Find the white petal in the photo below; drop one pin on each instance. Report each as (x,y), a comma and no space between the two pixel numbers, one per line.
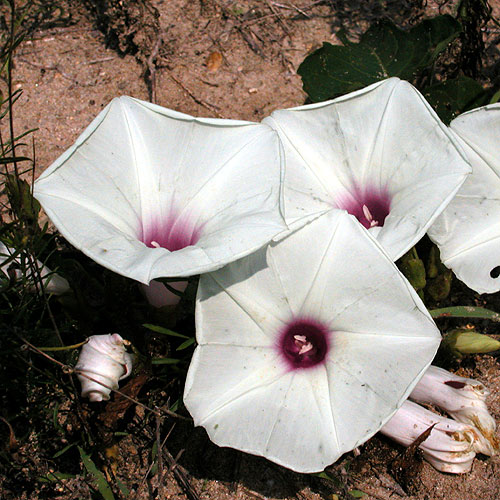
(140,170)
(240,386)
(384,138)
(468,231)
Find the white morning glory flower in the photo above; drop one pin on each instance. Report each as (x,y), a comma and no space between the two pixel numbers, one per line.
(468,231)
(148,192)
(380,153)
(308,347)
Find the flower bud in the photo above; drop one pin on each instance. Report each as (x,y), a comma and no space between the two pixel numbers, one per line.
(103,360)
(469,342)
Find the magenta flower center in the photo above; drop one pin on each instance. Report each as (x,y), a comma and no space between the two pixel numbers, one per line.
(369,206)
(304,343)
(172,233)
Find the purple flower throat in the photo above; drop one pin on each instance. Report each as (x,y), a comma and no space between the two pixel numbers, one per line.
(172,233)
(369,206)
(304,343)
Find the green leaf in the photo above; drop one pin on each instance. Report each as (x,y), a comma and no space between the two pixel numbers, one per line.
(452,97)
(164,331)
(383,51)
(465,312)
(123,489)
(102,484)
(357,493)
(64,450)
(165,361)
(186,344)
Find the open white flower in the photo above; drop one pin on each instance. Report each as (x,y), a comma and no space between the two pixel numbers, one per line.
(464,399)
(52,282)
(468,231)
(306,348)
(380,153)
(148,192)
(450,447)
(104,359)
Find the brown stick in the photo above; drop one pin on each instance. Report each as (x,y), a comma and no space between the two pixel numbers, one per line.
(207,105)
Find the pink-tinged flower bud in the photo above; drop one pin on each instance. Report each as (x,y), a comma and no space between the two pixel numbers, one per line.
(450,446)
(104,359)
(464,399)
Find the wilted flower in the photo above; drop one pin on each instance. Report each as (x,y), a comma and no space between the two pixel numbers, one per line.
(148,192)
(306,348)
(104,359)
(52,282)
(380,153)
(450,446)
(464,399)
(468,231)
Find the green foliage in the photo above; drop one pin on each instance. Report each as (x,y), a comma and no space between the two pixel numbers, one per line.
(453,96)
(383,51)
(465,312)
(102,484)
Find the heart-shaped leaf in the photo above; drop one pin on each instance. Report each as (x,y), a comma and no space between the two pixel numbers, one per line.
(383,51)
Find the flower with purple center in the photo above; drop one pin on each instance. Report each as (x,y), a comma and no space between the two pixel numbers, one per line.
(468,231)
(380,153)
(306,350)
(303,343)
(149,192)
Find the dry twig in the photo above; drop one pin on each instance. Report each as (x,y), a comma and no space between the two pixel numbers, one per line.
(201,102)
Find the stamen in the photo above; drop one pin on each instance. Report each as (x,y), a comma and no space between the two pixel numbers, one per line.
(306,348)
(302,342)
(155,244)
(368,215)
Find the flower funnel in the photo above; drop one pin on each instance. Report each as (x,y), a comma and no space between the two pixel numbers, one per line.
(305,351)
(148,192)
(468,231)
(380,153)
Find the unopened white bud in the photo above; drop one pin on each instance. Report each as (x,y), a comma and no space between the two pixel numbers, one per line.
(104,359)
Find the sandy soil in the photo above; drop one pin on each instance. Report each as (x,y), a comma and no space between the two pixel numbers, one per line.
(232,60)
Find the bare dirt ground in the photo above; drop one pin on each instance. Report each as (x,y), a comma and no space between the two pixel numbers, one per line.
(233,60)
